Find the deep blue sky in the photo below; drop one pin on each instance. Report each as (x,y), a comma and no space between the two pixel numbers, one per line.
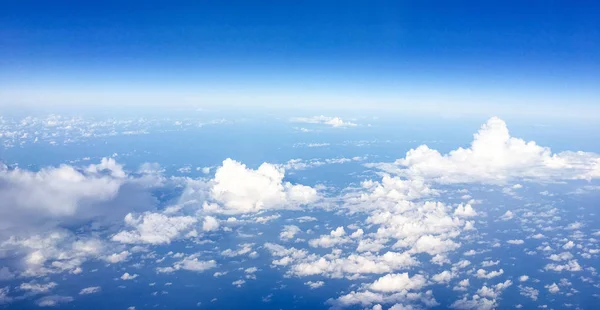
(396,53)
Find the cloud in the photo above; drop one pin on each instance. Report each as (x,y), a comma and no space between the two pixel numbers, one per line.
(127,276)
(90,290)
(117,257)
(54,252)
(237,189)
(53,300)
(190,263)
(336,265)
(210,223)
(482,274)
(36,288)
(324,120)
(398,282)
(495,157)
(314,285)
(154,228)
(289,232)
(44,199)
(335,237)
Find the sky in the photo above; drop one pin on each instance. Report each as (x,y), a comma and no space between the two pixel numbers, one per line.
(534,58)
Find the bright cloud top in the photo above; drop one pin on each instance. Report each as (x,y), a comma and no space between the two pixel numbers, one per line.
(495,157)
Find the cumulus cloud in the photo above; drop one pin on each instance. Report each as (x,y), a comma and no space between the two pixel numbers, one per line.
(127,276)
(55,252)
(237,189)
(495,157)
(337,265)
(117,257)
(154,228)
(315,284)
(481,273)
(398,282)
(324,120)
(289,232)
(36,200)
(190,263)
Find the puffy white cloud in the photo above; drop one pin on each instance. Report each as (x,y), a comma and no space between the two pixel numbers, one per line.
(190,263)
(335,237)
(334,265)
(515,241)
(117,257)
(495,157)
(34,201)
(443,277)
(465,211)
(315,284)
(494,291)
(289,232)
(571,265)
(154,228)
(523,278)
(127,276)
(367,298)
(553,288)
(243,249)
(325,120)
(237,189)
(398,282)
(54,252)
(37,288)
(210,223)
(482,274)
(568,245)
(529,292)
(90,290)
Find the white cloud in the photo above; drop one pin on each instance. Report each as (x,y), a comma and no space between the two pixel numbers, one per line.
(210,223)
(335,237)
(398,282)
(443,277)
(289,232)
(530,292)
(325,120)
(190,263)
(117,257)
(90,290)
(127,276)
(237,189)
(53,300)
(314,285)
(154,228)
(515,241)
(571,265)
(553,288)
(36,288)
(482,274)
(42,200)
(523,278)
(495,157)
(465,211)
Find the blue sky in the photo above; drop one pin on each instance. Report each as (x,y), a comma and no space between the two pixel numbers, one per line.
(491,56)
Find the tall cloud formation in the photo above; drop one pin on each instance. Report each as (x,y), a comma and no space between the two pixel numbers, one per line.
(237,189)
(495,157)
